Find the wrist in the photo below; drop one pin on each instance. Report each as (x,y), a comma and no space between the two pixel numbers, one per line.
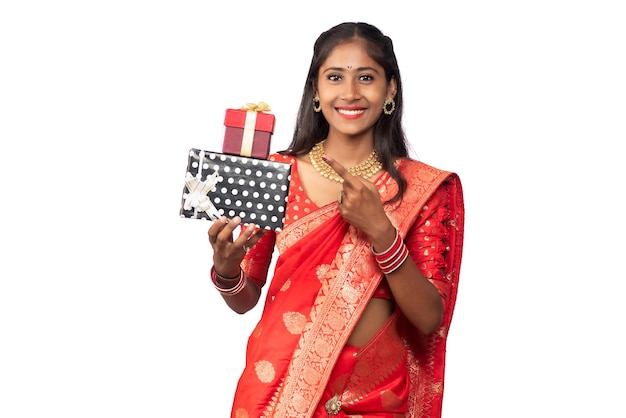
(383,238)
(232,286)
(225,270)
(225,277)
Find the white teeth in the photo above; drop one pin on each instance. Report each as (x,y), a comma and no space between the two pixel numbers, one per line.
(350,112)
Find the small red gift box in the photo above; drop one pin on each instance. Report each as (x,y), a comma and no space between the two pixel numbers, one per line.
(248,131)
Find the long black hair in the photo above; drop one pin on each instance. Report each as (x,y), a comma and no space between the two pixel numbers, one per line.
(311,127)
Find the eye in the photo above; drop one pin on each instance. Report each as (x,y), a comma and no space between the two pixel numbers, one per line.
(366,77)
(334,77)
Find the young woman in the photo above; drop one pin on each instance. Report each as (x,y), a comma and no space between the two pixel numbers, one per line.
(357,313)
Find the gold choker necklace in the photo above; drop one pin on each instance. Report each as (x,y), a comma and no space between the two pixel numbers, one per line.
(366,169)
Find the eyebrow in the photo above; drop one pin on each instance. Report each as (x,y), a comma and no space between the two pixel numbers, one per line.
(356,69)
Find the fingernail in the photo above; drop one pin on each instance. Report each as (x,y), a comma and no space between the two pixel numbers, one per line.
(326,158)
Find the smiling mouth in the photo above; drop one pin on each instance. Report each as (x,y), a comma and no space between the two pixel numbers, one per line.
(351,112)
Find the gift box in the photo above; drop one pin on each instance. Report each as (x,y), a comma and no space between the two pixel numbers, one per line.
(248,131)
(218,184)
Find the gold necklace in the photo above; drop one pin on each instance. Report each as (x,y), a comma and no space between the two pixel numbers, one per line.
(366,169)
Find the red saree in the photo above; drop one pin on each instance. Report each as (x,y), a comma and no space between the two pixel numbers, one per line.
(323,279)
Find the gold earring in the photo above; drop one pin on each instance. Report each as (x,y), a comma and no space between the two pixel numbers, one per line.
(317,105)
(389,106)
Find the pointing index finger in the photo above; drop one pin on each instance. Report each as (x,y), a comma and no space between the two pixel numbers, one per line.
(339,169)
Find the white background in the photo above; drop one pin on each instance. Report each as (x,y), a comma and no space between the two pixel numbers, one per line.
(106,308)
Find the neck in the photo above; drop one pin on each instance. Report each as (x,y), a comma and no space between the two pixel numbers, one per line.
(348,152)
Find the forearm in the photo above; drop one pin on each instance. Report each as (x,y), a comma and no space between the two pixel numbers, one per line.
(417,298)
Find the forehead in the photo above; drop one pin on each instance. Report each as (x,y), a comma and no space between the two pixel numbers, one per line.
(350,54)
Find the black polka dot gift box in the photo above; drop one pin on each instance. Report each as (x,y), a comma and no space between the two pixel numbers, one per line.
(219,184)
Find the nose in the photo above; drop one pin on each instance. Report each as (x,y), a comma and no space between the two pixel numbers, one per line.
(351,90)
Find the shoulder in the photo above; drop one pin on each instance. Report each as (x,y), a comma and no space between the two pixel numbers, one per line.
(425,178)
(414,170)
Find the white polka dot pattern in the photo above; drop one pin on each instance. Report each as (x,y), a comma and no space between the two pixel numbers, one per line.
(253,189)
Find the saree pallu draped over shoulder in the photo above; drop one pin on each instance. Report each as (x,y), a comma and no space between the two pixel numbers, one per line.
(323,279)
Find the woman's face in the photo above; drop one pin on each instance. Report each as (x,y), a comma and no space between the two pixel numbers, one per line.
(352,89)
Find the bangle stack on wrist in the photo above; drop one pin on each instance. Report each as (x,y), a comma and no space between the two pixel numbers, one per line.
(241,282)
(392,258)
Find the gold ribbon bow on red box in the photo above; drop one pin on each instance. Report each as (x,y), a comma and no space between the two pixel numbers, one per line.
(256,107)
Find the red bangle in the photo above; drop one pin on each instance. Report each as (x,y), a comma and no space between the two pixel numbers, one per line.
(241,283)
(392,258)
(395,263)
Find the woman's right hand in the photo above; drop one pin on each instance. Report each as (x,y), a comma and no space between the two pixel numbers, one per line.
(228,253)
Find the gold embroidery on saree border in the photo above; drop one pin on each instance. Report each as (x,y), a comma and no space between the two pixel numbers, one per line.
(346,278)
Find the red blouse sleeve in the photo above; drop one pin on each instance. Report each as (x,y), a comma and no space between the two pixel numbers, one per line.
(427,240)
(257,262)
